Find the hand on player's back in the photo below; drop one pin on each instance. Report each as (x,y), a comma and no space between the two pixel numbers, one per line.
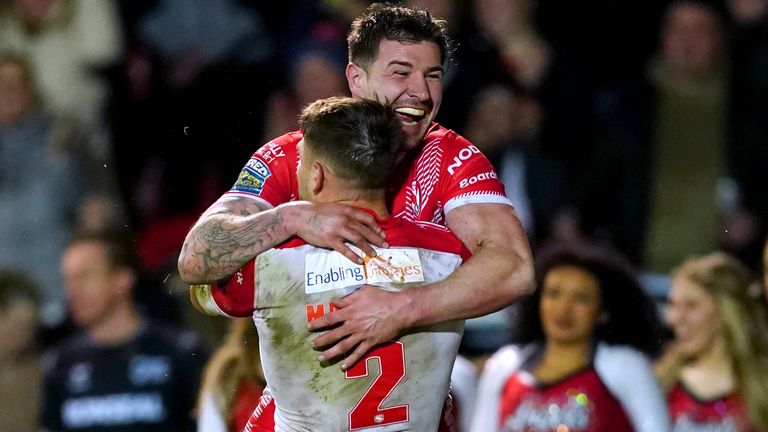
(334,225)
(368,317)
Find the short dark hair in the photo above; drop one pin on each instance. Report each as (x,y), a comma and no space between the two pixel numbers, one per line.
(358,138)
(397,23)
(120,250)
(632,316)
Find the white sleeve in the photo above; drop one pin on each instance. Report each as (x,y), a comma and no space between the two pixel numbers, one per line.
(464,387)
(629,377)
(209,416)
(495,373)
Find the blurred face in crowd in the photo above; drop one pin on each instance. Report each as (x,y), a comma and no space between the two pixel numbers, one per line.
(408,76)
(95,289)
(693,316)
(569,305)
(747,11)
(317,78)
(16,96)
(691,40)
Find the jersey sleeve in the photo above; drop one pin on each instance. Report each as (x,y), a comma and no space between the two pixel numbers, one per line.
(234,298)
(629,377)
(469,177)
(497,370)
(269,175)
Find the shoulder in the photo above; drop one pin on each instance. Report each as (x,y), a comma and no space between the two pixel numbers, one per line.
(69,350)
(426,235)
(613,361)
(507,359)
(446,139)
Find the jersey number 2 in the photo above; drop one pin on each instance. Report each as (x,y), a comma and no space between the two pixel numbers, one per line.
(368,411)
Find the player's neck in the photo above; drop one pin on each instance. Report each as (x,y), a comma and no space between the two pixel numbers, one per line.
(116,327)
(370,199)
(562,359)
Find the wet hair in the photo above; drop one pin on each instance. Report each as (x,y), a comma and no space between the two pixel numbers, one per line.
(744,324)
(358,138)
(632,316)
(397,23)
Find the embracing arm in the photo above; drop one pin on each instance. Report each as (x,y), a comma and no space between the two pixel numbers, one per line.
(499,272)
(234,230)
(230,233)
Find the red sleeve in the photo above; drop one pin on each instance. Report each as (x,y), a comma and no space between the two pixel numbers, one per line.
(236,297)
(270,174)
(469,176)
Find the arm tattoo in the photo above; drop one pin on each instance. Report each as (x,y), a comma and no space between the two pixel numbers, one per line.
(227,238)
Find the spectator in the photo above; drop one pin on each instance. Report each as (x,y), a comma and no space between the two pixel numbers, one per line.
(588,323)
(67,43)
(19,353)
(652,185)
(122,372)
(233,381)
(715,369)
(747,129)
(42,186)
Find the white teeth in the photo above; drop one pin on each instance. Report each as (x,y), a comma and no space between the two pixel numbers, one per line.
(410,111)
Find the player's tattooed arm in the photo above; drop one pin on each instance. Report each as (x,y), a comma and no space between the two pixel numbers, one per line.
(229,234)
(235,230)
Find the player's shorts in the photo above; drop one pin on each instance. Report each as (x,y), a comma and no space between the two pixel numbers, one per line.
(263,417)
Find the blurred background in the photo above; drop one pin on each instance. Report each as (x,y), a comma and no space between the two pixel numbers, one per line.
(642,125)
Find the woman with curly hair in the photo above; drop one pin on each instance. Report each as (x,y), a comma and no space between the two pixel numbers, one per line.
(583,362)
(715,371)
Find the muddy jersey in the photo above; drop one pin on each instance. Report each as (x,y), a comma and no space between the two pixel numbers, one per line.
(400,386)
(446,172)
(616,392)
(723,414)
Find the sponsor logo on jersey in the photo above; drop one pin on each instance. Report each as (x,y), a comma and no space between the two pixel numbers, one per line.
(145,370)
(271,151)
(464,154)
(113,410)
(252,177)
(80,377)
(685,424)
(476,178)
(330,270)
(548,416)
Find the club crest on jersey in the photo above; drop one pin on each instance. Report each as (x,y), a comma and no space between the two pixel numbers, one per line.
(252,177)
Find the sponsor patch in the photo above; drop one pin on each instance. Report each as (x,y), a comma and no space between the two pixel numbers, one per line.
(252,177)
(328,271)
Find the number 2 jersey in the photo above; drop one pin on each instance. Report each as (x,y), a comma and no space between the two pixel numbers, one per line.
(400,386)
(446,172)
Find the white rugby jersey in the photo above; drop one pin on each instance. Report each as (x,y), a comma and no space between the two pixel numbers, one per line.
(399,386)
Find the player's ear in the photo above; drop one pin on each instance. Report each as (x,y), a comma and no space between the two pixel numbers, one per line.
(355,79)
(318,177)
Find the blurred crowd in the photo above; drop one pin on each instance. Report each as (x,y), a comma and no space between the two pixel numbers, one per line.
(636,125)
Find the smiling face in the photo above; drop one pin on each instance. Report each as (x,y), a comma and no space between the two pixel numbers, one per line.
(408,76)
(693,316)
(569,305)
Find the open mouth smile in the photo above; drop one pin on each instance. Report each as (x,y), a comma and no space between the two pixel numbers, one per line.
(410,116)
